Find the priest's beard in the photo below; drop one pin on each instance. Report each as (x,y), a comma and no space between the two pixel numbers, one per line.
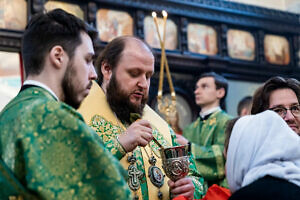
(69,88)
(119,101)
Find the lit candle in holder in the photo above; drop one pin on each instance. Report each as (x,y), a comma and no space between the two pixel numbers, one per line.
(164,106)
(162,58)
(173,95)
(156,25)
(165,15)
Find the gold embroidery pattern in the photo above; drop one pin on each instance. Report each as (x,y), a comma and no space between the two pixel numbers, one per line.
(212,121)
(55,152)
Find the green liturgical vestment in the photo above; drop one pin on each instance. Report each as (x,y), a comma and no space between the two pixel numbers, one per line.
(97,113)
(53,154)
(207,144)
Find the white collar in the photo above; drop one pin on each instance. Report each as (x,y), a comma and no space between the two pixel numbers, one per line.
(212,110)
(42,85)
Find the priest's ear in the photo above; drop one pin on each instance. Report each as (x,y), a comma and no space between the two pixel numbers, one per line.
(220,93)
(106,71)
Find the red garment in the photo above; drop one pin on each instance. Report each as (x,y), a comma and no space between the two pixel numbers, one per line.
(180,198)
(216,192)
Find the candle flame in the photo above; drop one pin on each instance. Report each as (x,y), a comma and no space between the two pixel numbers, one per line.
(164,13)
(154,14)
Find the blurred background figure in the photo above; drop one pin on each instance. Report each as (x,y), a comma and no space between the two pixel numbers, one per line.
(206,134)
(244,106)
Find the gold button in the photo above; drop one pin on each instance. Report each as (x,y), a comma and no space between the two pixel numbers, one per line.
(15,197)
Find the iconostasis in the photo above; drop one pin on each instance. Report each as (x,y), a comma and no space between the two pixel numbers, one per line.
(244,43)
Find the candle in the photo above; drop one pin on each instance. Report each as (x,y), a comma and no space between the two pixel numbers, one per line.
(156,25)
(173,95)
(165,15)
(163,104)
(162,60)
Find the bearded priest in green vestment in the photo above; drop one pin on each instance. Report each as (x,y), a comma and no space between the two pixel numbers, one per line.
(206,134)
(125,68)
(46,149)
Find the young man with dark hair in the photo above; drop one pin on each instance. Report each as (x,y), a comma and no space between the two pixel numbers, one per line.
(116,108)
(281,95)
(46,147)
(206,134)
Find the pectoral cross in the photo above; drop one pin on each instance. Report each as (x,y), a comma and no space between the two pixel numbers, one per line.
(134,177)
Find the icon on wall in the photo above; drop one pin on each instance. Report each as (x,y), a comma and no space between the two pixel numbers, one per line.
(202,39)
(68,7)
(277,50)
(241,44)
(151,36)
(8,17)
(111,24)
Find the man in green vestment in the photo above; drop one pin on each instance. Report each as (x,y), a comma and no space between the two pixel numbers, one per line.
(46,149)
(206,134)
(125,68)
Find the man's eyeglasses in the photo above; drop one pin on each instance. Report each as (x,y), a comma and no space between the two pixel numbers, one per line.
(282,111)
